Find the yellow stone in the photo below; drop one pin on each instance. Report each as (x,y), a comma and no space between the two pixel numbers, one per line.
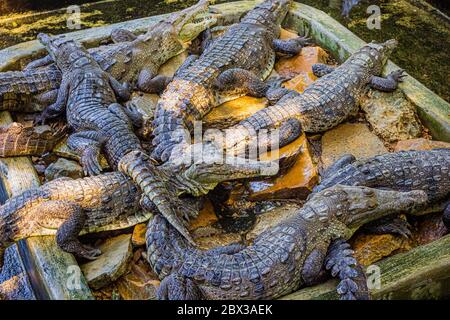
(372,248)
(420,144)
(232,112)
(296,183)
(138,237)
(302,62)
(205,218)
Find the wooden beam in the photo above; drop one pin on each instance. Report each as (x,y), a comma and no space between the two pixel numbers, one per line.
(421,273)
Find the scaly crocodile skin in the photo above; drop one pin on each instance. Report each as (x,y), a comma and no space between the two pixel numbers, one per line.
(247,45)
(110,201)
(30,81)
(402,171)
(17,140)
(325,103)
(123,60)
(92,109)
(281,259)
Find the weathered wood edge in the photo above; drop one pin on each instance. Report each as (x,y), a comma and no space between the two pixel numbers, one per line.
(432,109)
(421,273)
(50,269)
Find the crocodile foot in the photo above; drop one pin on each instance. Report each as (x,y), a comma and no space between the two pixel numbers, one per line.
(178,287)
(341,262)
(291,46)
(395,226)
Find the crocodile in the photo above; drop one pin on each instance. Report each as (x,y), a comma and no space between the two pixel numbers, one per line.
(69,207)
(326,102)
(88,96)
(282,258)
(401,171)
(18,140)
(207,81)
(132,59)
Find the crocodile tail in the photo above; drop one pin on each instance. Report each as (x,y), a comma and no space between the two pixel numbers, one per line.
(139,167)
(165,247)
(30,81)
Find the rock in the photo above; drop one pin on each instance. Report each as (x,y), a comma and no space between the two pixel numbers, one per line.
(300,82)
(232,112)
(287,34)
(391,115)
(138,236)
(205,218)
(170,67)
(430,229)
(215,238)
(139,284)
(62,150)
(271,219)
(111,264)
(420,144)
(372,248)
(354,138)
(145,103)
(63,168)
(297,182)
(301,63)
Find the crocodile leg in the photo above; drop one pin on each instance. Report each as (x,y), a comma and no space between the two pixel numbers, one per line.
(122,91)
(391,225)
(242,79)
(150,83)
(154,85)
(390,83)
(59,107)
(291,46)
(341,262)
(121,35)
(322,69)
(42,62)
(46,98)
(178,287)
(88,144)
(67,234)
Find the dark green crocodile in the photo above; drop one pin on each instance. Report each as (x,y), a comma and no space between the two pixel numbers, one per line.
(282,258)
(131,59)
(328,101)
(205,82)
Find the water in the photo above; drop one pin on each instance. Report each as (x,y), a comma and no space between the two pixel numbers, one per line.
(424,39)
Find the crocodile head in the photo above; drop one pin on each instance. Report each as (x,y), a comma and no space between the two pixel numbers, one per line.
(354,206)
(66,52)
(268,12)
(381,52)
(182,26)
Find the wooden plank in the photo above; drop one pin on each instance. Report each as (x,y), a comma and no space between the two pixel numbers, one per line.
(421,273)
(54,273)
